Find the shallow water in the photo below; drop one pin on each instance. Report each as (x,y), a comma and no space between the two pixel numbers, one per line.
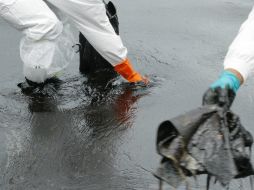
(87,137)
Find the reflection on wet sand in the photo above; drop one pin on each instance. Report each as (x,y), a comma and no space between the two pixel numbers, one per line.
(66,148)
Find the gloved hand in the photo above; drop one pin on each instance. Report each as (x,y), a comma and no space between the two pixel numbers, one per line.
(126,70)
(222,92)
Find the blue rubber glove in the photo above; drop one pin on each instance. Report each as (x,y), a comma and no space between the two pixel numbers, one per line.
(222,92)
(227,80)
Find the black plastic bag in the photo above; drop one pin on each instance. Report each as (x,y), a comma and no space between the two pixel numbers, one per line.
(207,140)
(90,60)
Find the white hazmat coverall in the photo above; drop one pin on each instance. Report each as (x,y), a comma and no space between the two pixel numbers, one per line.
(43,49)
(240,56)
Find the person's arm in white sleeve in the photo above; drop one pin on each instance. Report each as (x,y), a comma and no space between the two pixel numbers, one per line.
(240,56)
(238,65)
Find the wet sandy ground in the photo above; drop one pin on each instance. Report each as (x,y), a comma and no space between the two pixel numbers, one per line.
(85,137)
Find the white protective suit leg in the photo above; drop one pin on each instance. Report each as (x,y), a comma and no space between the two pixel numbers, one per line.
(40,49)
(240,55)
(90,18)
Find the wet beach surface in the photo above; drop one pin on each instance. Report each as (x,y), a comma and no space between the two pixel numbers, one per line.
(88,136)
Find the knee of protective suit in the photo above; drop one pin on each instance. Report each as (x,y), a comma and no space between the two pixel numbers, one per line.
(45,29)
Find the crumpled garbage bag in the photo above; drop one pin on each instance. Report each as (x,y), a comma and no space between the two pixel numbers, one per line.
(90,60)
(207,140)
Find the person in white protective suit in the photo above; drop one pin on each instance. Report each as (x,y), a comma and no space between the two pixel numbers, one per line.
(42,48)
(238,65)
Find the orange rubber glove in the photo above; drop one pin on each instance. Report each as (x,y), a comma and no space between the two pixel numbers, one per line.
(126,70)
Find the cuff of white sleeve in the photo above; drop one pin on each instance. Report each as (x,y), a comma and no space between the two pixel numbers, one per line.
(238,65)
